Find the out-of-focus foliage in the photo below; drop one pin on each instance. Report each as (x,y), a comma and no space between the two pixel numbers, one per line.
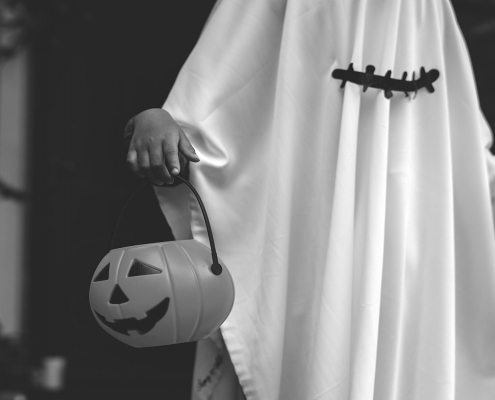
(15,23)
(63,21)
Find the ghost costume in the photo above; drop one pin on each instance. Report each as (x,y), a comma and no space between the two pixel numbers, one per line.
(358,229)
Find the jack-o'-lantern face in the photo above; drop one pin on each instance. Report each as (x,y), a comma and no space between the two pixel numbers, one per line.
(118,296)
(131,294)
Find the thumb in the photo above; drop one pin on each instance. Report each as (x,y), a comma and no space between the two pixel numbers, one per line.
(186,148)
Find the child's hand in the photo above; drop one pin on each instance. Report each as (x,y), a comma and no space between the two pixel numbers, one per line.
(156,145)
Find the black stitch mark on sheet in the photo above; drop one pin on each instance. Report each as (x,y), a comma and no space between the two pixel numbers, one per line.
(387,83)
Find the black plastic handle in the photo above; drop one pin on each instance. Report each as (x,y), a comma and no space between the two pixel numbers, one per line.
(216,268)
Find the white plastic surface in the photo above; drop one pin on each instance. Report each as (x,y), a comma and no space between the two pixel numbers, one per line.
(199,301)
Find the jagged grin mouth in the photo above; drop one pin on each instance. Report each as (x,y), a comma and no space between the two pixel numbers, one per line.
(141,326)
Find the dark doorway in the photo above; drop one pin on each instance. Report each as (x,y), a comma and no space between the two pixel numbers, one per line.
(96,64)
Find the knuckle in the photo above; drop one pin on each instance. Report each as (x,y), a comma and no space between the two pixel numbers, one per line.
(156,165)
(152,140)
(137,143)
(132,162)
(170,152)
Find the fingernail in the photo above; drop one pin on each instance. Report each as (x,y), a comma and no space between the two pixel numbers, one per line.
(174,171)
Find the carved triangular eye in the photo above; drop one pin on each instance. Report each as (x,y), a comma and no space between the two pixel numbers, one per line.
(139,268)
(103,275)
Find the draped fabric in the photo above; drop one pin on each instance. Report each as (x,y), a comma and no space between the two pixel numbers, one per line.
(358,230)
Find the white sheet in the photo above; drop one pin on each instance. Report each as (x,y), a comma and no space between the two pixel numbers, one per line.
(359,230)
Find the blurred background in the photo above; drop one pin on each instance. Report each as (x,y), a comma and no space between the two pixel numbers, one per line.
(72,73)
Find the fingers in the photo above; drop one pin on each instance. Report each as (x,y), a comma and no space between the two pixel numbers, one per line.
(133,163)
(149,164)
(145,167)
(156,142)
(128,131)
(186,148)
(171,156)
(158,170)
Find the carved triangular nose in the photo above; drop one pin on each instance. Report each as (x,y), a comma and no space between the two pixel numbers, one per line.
(118,296)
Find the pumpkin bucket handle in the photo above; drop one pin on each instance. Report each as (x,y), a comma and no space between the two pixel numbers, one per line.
(216,268)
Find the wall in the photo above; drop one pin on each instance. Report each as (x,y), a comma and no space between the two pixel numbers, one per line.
(13,152)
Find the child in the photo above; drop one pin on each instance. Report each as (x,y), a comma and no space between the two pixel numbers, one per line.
(357,227)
